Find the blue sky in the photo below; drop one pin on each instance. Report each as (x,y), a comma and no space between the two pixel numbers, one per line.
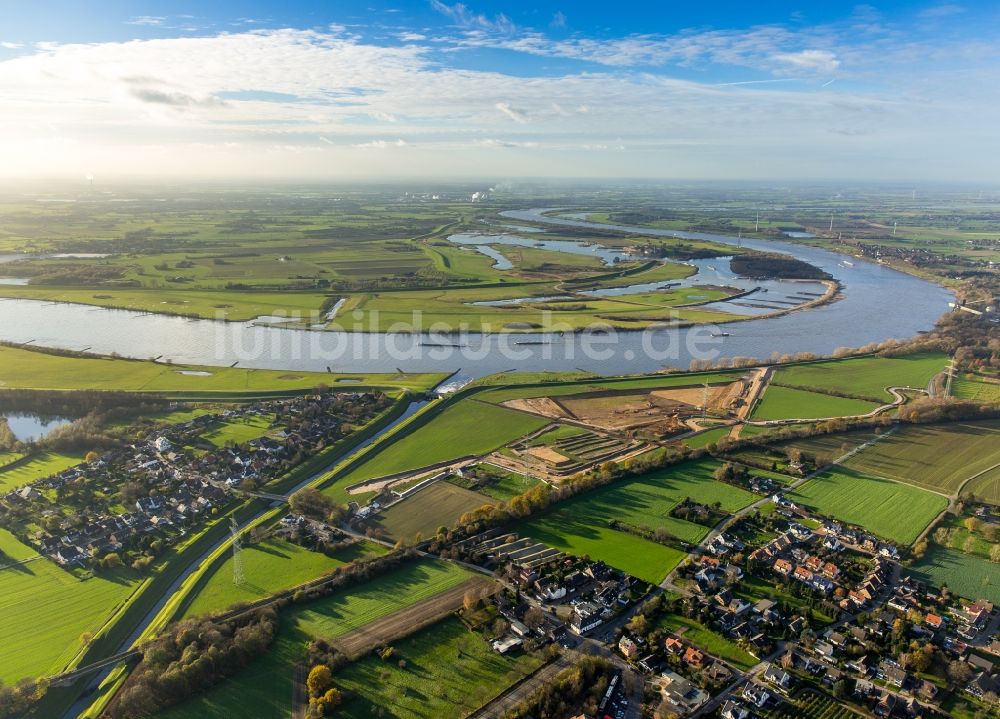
(496,89)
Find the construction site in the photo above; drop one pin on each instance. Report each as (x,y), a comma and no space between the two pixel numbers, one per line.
(656,414)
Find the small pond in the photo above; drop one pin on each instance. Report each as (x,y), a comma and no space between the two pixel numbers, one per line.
(31,427)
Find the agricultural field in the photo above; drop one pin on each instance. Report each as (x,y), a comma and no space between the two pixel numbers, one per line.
(939,457)
(703,637)
(970,576)
(864,376)
(440,504)
(829,445)
(38,466)
(444,437)
(29,369)
(264,688)
(46,609)
(580,525)
(986,486)
(895,511)
(813,705)
(981,389)
(788,403)
(449,672)
(269,567)
(297,256)
(642,558)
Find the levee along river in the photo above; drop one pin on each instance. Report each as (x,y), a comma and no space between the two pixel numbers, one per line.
(877,303)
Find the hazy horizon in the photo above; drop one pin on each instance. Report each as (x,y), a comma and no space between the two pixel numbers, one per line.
(430,89)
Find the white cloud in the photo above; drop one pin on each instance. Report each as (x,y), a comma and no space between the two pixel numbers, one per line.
(308,103)
(7,45)
(379,144)
(493,142)
(460,14)
(822,61)
(515,115)
(146,20)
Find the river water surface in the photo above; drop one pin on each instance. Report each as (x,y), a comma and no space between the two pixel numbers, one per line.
(878,304)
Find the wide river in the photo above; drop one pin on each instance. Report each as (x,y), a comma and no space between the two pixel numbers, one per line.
(878,303)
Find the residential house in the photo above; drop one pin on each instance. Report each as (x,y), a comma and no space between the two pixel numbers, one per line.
(777,676)
(680,692)
(628,647)
(694,658)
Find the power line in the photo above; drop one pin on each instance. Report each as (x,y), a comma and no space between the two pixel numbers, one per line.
(234,530)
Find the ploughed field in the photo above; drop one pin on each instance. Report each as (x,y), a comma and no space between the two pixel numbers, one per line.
(939,457)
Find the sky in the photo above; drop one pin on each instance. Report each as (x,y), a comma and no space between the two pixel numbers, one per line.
(496,89)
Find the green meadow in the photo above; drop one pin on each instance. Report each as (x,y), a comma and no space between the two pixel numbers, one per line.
(269,567)
(46,610)
(29,369)
(468,427)
(970,576)
(865,376)
(37,466)
(449,672)
(264,688)
(711,641)
(975,387)
(789,403)
(895,511)
(580,525)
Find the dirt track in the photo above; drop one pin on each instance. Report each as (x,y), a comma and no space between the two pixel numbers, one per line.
(407,621)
